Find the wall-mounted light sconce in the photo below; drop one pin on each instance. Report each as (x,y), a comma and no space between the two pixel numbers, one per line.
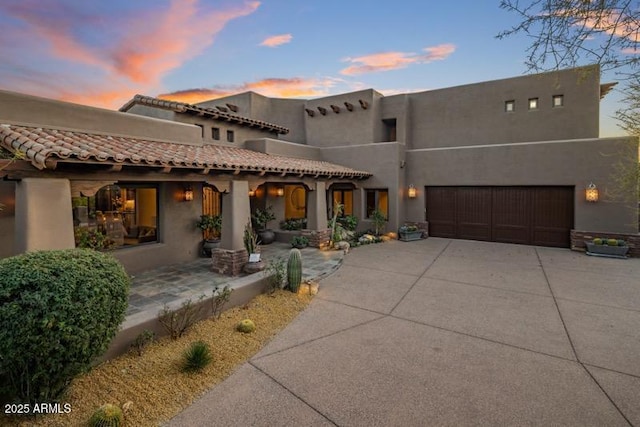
(412,192)
(280,192)
(591,193)
(252,193)
(188,194)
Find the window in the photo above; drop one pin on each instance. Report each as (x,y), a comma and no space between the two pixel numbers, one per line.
(118,215)
(345,198)
(390,127)
(201,130)
(558,101)
(533,103)
(230,136)
(215,133)
(510,106)
(378,200)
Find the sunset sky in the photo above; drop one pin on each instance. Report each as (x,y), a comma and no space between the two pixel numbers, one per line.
(101,53)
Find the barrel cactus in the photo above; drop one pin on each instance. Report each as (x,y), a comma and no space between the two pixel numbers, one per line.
(612,242)
(294,270)
(107,415)
(597,241)
(246,326)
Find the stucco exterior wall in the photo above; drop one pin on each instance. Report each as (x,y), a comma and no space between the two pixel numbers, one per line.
(240,133)
(475,114)
(283,148)
(355,127)
(384,161)
(571,163)
(26,109)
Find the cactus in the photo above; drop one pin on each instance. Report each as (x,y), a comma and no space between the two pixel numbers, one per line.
(246,326)
(612,242)
(294,270)
(107,415)
(597,241)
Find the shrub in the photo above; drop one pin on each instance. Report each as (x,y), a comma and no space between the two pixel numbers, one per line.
(177,322)
(58,311)
(107,415)
(196,357)
(293,224)
(142,341)
(299,242)
(276,273)
(246,326)
(219,299)
(349,222)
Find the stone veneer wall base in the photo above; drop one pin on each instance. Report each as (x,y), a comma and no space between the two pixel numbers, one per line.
(578,238)
(228,262)
(317,238)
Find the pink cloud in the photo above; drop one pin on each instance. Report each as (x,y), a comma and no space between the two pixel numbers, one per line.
(386,61)
(275,87)
(114,55)
(278,40)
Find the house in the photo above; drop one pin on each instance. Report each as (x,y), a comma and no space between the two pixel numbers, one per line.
(507,160)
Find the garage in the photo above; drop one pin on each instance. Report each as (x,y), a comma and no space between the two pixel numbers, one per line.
(541,216)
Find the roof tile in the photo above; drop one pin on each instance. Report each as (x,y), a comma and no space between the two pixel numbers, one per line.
(182,107)
(39,145)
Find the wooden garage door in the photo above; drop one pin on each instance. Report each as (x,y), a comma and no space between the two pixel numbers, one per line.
(540,216)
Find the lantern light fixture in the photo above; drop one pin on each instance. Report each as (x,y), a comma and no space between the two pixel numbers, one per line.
(591,193)
(280,191)
(252,193)
(412,192)
(188,194)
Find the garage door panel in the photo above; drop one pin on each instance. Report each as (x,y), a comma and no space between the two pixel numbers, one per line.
(473,213)
(525,215)
(552,209)
(511,217)
(441,208)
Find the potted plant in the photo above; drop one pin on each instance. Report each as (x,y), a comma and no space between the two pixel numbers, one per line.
(250,240)
(261,218)
(210,226)
(409,232)
(613,248)
(299,242)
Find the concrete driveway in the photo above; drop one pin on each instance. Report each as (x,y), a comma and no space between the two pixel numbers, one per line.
(449,332)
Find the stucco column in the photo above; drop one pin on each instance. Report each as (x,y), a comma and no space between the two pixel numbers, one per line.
(44,219)
(235,214)
(317,207)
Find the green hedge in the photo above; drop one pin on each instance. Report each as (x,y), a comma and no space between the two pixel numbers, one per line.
(59,310)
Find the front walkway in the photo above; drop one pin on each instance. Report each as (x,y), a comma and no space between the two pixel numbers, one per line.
(449,332)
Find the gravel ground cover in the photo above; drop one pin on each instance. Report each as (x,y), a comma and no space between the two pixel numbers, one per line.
(153,387)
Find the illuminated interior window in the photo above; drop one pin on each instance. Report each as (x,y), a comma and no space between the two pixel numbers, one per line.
(533,103)
(558,101)
(378,199)
(510,106)
(345,198)
(117,216)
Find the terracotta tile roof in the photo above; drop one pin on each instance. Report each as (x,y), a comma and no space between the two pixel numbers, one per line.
(182,107)
(45,147)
